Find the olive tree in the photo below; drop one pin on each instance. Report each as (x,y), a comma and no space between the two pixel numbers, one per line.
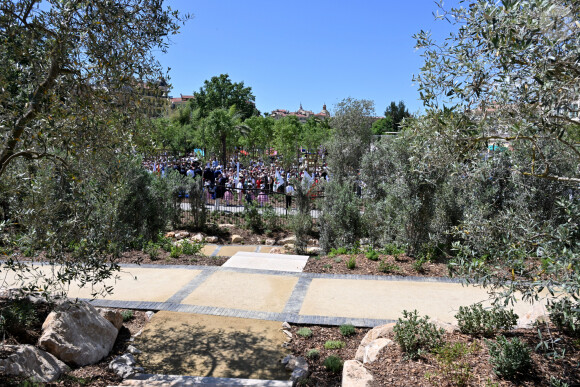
(77,79)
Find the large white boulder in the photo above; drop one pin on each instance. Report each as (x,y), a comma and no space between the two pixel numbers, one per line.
(354,374)
(113,316)
(237,239)
(31,362)
(77,334)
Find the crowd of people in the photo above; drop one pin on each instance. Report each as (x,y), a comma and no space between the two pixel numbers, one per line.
(237,183)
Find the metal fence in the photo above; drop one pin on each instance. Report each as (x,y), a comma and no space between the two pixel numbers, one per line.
(273,207)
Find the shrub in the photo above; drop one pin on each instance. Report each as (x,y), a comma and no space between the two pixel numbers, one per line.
(152,249)
(393,249)
(333,364)
(313,353)
(351,263)
(127,315)
(566,316)
(175,252)
(304,332)
(334,344)
(418,264)
(474,320)
(508,357)
(387,267)
(372,255)
(347,329)
(18,315)
(450,357)
(338,260)
(253,218)
(192,248)
(416,335)
(338,251)
(165,243)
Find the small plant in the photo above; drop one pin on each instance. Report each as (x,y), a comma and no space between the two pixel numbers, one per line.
(192,248)
(393,249)
(165,243)
(253,218)
(327,266)
(339,251)
(418,264)
(333,364)
(304,332)
(334,344)
(416,335)
(17,316)
(351,263)
(372,255)
(338,260)
(152,249)
(175,252)
(127,315)
(555,382)
(387,267)
(566,316)
(474,320)
(313,353)
(450,356)
(508,357)
(347,329)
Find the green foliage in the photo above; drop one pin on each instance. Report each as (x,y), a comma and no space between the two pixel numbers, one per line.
(313,354)
(508,357)
(387,267)
(555,382)
(18,315)
(165,243)
(347,329)
(191,247)
(393,249)
(253,218)
(450,357)
(334,344)
(338,251)
(128,315)
(394,114)
(301,223)
(304,332)
(475,320)
(333,364)
(372,254)
(565,314)
(152,249)
(418,264)
(176,251)
(416,335)
(287,134)
(351,263)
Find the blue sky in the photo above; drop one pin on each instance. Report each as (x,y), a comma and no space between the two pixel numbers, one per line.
(309,52)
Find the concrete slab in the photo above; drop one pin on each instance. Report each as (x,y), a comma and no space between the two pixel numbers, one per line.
(263,261)
(134,284)
(387,299)
(228,251)
(198,345)
(254,292)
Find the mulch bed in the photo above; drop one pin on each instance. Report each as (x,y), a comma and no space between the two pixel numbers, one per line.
(141,258)
(471,369)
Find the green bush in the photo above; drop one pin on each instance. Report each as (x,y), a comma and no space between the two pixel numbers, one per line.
(565,314)
(334,344)
(372,255)
(450,356)
(128,315)
(393,249)
(304,332)
(175,252)
(338,251)
(333,364)
(474,320)
(387,267)
(418,264)
(351,263)
(152,249)
(313,353)
(416,335)
(253,218)
(18,315)
(165,243)
(347,329)
(508,357)
(192,248)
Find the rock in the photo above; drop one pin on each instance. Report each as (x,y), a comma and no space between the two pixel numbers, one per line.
(299,373)
(123,366)
(376,333)
(181,235)
(447,327)
(270,242)
(277,250)
(292,362)
(113,316)
(170,234)
(313,250)
(132,350)
(31,362)
(287,240)
(313,242)
(198,237)
(354,374)
(536,313)
(369,353)
(285,325)
(226,225)
(76,333)
(287,333)
(138,333)
(289,247)
(149,314)
(211,239)
(237,239)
